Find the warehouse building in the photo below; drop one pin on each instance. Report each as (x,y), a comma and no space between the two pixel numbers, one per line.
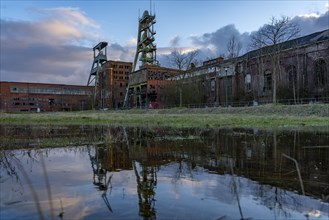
(39,97)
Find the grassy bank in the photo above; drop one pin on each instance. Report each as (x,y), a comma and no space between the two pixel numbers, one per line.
(261,116)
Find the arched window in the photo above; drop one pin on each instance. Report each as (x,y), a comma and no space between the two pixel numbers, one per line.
(321,73)
(292,74)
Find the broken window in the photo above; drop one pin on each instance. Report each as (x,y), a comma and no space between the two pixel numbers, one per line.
(212,85)
(267,81)
(321,74)
(247,81)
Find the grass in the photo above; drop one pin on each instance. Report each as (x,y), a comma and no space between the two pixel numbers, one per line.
(261,117)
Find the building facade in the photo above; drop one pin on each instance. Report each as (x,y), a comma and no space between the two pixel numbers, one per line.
(38,97)
(114,83)
(302,75)
(302,72)
(145,85)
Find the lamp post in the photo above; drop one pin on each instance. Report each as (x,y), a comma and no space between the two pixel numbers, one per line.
(226,68)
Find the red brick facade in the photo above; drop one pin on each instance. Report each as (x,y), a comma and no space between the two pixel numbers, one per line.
(145,85)
(115,83)
(35,97)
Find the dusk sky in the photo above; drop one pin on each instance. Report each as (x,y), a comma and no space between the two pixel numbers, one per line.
(51,41)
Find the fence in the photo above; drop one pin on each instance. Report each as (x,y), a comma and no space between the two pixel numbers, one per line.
(321,100)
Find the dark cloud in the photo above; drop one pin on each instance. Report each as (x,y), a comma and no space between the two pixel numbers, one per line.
(47,51)
(215,44)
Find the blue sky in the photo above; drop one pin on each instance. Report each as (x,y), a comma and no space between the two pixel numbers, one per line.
(53,39)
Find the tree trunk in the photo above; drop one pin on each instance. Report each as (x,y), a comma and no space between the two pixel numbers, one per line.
(275,64)
(180,97)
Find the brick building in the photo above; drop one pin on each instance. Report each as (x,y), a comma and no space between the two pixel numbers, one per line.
(145,85)
(34,97)
(303,75)
(115,82)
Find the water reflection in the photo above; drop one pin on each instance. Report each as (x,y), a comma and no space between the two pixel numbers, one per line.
(126,172)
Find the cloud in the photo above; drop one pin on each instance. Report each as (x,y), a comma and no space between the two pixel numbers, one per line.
(310,15)
(132,42)
(121,52)
(214,44)
(55,48)
(312,22)
(174,42)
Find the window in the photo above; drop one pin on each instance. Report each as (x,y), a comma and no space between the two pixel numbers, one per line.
(247,81)
(212,85)
(321,74)
(292,74)
(267,81)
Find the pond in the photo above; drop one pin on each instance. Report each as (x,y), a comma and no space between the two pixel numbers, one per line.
(104,172)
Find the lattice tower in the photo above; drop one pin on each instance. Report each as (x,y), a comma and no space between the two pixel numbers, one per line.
(95,76)
(146,49)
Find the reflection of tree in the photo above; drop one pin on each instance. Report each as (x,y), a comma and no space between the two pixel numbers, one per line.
(11,162)
(146,184)
(8,168)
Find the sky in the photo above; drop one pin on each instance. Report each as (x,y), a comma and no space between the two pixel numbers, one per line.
(50,41)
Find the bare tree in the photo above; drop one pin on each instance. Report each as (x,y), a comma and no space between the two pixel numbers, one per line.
(233,47)
(183,62)
(273,34)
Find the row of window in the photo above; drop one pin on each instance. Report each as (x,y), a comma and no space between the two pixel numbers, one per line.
(121,84)
(121,66)
(49,90)
(29,99)
(121,72)
(320,70)
(121,77)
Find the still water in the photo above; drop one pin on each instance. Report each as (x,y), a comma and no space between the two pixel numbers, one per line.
(91,172)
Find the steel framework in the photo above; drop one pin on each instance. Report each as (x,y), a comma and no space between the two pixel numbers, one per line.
(146,49)
(95,76)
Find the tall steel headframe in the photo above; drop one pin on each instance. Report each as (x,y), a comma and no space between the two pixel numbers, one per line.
(95,76)
(146,49)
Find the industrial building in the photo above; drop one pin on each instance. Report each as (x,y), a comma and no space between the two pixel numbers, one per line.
(115,76)
(39,97)
(247,80)
(146,84)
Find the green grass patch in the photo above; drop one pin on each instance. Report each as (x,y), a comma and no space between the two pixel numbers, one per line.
(179,118)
